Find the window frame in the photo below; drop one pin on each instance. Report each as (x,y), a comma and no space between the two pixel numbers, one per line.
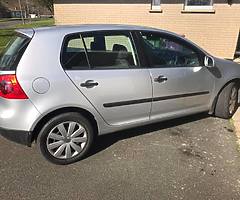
(89,67)
(198,7)
(201,55)
(156,7)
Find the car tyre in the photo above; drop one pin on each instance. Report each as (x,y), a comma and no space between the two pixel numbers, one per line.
(66,138)
(227,102)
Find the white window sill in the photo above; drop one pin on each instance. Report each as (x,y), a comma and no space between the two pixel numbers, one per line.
(198,9)
(156,9)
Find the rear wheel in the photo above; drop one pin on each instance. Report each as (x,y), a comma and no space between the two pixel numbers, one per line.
(227,102)
(66,138)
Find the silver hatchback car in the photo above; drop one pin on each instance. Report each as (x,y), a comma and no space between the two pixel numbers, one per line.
(63,86)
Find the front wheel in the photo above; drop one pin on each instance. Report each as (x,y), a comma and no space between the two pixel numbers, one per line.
(227,102)
(66,138)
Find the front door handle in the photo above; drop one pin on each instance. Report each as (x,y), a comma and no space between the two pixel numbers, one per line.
(160,79)
(89,84)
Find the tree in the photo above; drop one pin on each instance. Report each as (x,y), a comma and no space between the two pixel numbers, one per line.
(46,3)
(4,12)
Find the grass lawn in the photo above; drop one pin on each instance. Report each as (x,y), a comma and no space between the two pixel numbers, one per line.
(6,34)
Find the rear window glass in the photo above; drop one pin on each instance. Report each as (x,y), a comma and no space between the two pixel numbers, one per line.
(12,54)
(74,56)
(110,50)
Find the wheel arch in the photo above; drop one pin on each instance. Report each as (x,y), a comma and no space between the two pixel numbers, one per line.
(39,125)
(212,110)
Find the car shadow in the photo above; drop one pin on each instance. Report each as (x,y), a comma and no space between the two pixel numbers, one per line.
(105,141)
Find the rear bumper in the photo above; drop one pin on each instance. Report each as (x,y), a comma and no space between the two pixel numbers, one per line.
(18,115)
(21,137)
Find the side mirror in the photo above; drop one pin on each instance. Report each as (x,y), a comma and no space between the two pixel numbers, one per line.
(209,61)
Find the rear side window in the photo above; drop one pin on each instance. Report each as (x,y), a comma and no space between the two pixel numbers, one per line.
(98,50)
(73,55)
(12,54)
(110,50)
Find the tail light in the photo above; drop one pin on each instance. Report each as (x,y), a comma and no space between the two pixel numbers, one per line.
(10,88)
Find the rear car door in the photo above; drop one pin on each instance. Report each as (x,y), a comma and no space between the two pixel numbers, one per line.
(181,84)
(104,66)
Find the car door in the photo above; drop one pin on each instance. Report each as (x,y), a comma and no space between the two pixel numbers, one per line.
(104,67)
(181,84)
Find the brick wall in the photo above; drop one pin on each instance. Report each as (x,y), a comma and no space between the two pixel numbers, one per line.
(216,32)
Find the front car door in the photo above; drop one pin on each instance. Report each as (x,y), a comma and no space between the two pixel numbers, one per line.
(181,84)
(104,66)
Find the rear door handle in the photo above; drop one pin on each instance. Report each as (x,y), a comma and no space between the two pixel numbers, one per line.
(89,84)
(161,79)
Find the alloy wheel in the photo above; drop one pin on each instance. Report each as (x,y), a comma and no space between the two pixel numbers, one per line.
(67,140)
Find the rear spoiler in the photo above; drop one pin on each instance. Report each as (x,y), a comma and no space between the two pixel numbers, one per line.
(27,32)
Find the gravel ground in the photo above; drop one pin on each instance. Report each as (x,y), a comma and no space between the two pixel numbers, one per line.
(189,158)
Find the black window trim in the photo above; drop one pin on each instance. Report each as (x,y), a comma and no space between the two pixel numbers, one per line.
(89,67)
(85,51)
(179,40)
(144,63)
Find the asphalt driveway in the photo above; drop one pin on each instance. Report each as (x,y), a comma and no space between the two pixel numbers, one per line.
(189,158)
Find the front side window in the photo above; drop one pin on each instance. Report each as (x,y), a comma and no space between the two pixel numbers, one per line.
(156,4)
(12,54)
(198,4)
(110,50)
(164,51)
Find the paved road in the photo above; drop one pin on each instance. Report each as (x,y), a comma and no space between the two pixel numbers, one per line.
(193,158)
(9,24)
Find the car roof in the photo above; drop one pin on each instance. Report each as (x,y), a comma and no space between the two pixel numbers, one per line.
(67,29)
(93,27)
(62,30)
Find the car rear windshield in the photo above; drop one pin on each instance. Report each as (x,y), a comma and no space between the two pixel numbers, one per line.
(13,52)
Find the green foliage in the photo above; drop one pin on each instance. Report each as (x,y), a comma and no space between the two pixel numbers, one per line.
(6,34)
(36,24)
(46,3)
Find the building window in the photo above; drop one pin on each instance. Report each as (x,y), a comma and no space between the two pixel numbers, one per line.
(156,4)
(198,5)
